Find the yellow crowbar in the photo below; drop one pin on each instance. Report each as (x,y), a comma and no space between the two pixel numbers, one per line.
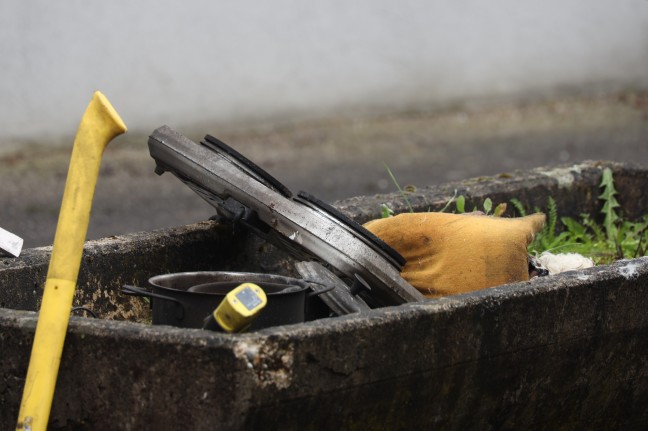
(99,125)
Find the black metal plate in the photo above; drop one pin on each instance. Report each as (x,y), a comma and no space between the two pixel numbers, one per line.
(251,167)
(358,229)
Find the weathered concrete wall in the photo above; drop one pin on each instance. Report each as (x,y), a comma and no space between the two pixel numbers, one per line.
(230,62)
(565,351)
(562,352)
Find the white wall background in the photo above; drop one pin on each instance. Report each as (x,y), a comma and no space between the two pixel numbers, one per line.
(193,61)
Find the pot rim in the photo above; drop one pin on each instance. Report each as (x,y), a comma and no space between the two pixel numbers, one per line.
(282,288)
(195,278)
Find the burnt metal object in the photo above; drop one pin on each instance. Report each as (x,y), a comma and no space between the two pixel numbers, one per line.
(340,300)
(345,222)
(242,193)
(247,165)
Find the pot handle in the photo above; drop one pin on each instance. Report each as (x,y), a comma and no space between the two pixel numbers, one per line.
(327,288)
(127,289)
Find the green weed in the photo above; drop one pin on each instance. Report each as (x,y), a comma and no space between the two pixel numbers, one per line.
(615,239)
(400,190)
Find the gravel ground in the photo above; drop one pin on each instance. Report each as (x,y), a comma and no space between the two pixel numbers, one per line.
(331,159)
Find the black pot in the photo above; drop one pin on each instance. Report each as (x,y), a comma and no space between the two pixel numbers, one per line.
(184,299)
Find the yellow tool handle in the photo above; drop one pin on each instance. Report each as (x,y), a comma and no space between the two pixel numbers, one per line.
(99,125)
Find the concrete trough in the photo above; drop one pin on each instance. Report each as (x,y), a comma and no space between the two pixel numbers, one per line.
(566,351)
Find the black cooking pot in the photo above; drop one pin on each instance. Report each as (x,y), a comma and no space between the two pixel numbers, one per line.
(184,299)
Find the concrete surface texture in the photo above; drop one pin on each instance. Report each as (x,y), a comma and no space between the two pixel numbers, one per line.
(205,62)
(332,159)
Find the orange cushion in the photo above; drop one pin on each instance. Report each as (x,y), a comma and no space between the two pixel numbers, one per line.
(457,253)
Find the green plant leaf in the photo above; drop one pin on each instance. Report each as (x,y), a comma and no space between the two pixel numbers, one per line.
(445,207)
(393,178)
(575,228)
(518,206)
(461,204)
(599,235)
(610,204)
(488,205)
(552,208)
(500,209)
(385,211)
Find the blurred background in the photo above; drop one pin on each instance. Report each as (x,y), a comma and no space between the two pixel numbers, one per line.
(321,94)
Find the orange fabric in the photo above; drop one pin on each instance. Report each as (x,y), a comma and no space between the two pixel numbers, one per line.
(457,253)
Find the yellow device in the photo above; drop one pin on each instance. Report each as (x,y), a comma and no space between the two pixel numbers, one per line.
(238,309)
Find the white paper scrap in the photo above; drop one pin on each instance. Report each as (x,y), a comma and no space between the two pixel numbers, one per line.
(10,243)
